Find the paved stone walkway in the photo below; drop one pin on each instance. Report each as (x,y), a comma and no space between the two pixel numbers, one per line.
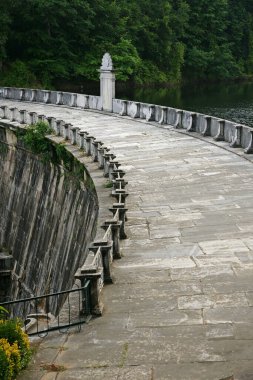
(181,307)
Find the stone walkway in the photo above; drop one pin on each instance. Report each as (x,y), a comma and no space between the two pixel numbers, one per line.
(181,307)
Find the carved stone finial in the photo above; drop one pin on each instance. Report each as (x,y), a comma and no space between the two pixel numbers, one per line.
(107,62)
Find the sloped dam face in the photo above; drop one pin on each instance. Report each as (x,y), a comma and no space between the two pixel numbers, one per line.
(47,221)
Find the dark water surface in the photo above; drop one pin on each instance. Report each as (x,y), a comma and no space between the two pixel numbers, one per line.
(228,101)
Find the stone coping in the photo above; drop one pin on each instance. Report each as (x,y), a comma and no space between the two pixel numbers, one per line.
(234,134)
(106,247)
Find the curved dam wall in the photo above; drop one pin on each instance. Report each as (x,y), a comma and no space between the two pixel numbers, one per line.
(47,220)
(236,135)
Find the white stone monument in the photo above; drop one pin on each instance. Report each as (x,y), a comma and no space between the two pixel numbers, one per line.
(107,82)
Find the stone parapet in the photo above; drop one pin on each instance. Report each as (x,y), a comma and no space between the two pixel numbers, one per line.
(236,135)
(97,268)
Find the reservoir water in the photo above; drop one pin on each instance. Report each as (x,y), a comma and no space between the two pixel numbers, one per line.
(228,101)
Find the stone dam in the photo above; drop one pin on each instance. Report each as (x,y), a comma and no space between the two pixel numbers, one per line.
(181,303)
(47,219)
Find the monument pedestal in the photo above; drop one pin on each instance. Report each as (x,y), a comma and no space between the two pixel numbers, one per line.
(107,83)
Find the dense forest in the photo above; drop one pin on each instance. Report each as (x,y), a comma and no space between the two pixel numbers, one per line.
(162,41)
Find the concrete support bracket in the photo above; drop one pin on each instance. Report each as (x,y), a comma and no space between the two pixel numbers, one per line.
(120,194)
(94,149)
(206,131)
(249,149)
(23,116)
(119,183)
(106,249)
(82,135)
(94,301)
(236,140)
(220,134)
(192,126)
(118,173)
(115,228)
(121,209)
(88,143)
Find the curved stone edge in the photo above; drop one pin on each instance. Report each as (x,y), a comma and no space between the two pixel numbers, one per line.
(236,135)
(97,269)
(69,99)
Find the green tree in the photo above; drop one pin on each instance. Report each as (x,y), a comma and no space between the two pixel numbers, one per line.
(4,30)
(45,40)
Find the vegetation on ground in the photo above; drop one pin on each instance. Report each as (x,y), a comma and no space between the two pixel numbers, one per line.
(33,137)
(15,351)
(165,41)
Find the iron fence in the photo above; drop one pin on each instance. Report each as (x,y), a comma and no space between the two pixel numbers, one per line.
(73,309)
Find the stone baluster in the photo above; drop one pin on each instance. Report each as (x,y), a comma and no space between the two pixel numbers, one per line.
(236,140)
(88,143)
(119,183)
(249,148)
(74,100)
(33,118)
(192,124)
(5,112)
(1,112)
(52,123)
(107,158)
(133,109)
(163,116)
(120,207)
(77,136)
(85,101)
(220,134)
(59,127)
(94,149)
(106,249)
(11,92)
(115,228)
(151,113)
(94,275)
(101,152)
(33,95)
(42,118)
(120,194)
(22,94)
(73,134)
(118,173)
(59,98)
(123,110)
(179,119)
(81,138)
(66,130)
(112,165)
(4,92)
(46,96)
(23,116)
(206,131)
(13,113)
(8,92)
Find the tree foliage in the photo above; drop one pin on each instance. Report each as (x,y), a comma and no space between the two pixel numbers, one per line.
(165,41)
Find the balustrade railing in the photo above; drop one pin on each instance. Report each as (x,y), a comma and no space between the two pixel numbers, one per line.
(72,307)
(236,135)
(97,268)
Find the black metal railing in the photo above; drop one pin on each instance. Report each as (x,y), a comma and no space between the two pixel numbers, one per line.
(73,309)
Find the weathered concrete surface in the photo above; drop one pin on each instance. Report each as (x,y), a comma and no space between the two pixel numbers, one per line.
(181,305)
(47,221)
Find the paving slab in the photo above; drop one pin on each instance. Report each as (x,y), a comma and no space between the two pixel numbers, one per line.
(181,305)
